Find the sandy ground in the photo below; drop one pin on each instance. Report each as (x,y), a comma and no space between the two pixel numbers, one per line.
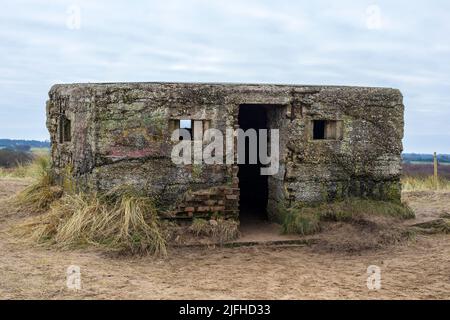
(418,269)
(428,205)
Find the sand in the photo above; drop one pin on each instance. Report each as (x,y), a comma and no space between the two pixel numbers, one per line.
(417,269)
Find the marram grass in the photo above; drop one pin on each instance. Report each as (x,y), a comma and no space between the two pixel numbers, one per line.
(127,223)
(122,219)
(40,194)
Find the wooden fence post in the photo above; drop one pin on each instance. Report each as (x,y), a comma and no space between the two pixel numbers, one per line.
(435,162)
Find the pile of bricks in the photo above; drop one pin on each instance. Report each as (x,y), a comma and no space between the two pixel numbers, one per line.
(222,200)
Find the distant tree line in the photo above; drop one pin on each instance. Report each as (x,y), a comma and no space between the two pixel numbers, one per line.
(420,157)
(18,152)
(23,145)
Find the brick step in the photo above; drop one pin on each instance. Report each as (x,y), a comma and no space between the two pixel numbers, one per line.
(222,200)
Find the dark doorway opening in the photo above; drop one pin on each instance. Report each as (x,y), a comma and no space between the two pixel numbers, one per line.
(319,129)
(253,186)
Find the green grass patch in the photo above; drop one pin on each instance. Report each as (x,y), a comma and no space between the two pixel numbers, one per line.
(306,219)
(302,221)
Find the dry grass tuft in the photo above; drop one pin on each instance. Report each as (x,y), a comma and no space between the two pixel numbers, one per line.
(38,196)
(122,220)
(410,183)
(433,227)
(219,230)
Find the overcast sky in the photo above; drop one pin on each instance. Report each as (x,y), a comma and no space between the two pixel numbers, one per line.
(400,44)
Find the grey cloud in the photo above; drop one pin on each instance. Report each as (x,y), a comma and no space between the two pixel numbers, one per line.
(320,42)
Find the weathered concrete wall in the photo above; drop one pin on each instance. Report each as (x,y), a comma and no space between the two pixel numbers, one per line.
(120,135)
(366,162)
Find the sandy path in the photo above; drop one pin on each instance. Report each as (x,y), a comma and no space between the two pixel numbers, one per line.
(428,205)
(418,270)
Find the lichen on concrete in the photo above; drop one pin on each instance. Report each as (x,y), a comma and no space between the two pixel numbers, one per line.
(120,135)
